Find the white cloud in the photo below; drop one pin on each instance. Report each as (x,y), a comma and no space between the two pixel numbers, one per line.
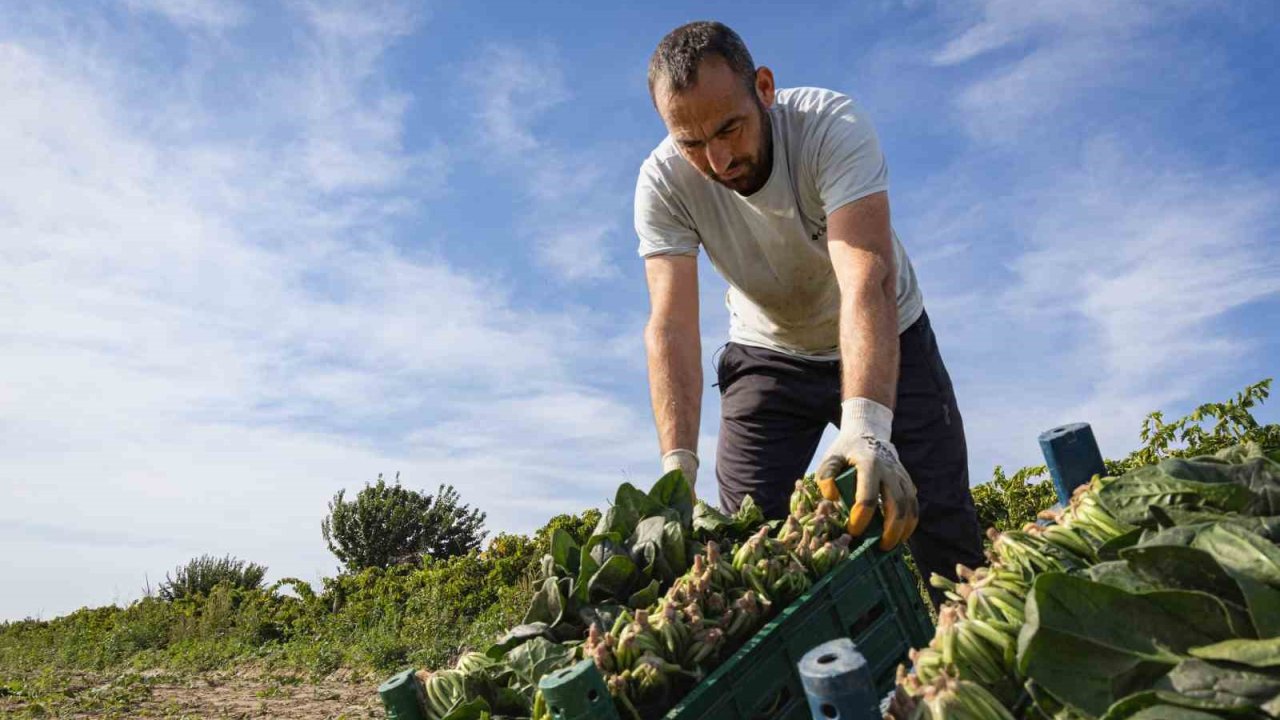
(1113,300)
(207,332)
(1063,51)
(574,203)
(579,250)
(1150,257)
(514,88)
(1003,23)
(355,122)
(194,14)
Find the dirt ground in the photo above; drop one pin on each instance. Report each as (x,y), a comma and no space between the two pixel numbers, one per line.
(239,696)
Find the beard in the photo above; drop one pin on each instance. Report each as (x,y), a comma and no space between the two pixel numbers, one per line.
(757,168)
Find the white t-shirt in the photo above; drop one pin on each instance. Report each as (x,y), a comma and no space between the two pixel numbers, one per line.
(771,247)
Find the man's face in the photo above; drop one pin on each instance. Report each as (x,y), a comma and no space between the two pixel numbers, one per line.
(722,127)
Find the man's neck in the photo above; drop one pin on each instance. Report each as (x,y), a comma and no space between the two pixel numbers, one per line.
(766,121)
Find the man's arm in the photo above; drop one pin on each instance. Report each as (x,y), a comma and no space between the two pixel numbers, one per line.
(861,247)
(673,342)
(860,242)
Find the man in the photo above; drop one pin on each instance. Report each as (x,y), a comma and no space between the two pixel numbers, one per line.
(787,192)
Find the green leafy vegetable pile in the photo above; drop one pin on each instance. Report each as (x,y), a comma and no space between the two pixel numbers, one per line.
(1154,595)
(661,593)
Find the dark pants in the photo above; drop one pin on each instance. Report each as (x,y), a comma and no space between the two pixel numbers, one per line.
(774,408)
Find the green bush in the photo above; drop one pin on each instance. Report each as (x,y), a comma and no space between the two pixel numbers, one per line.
(200,575)
(1007,502)
(389,524)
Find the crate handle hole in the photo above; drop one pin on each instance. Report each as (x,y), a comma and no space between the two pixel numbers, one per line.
(865,621)
(771,706)
(828,659)
(592,695)
(830,711)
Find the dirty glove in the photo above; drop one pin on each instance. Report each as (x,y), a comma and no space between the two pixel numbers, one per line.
(863,442)
(686,462)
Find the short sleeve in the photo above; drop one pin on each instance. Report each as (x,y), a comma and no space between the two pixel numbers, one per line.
(849,162)
(662,225)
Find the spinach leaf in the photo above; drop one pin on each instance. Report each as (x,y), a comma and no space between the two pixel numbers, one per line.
(475,709)
(1182,568)
(596,552)
(672,491)
(517,635)
(536,658)
(1255,653)
(1090,644)
(1174,567)
(1262,477)
(1110,550)
(1242,552)
(565,552)
(1254,563)
(749,516)
(1246,557)
(613,580)
(1171,712)
(644,597)
(1130,495)
(1256,476)
(617,520)
(709,523)
(1118,574)
(1236,453)
(1221,685)
(631,498)
(1161,705)
(600,614)
(547,606)
(646,549)
(1268,526)
(674,549)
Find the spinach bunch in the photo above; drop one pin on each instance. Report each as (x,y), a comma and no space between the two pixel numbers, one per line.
(1155,594)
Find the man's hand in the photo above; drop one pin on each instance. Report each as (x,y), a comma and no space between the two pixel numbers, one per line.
(687,463)
(863,442)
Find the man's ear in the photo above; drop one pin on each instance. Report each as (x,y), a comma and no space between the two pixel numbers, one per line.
(764,86)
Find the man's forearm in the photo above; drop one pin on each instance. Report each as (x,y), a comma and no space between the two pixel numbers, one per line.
(869,340)
(675,383)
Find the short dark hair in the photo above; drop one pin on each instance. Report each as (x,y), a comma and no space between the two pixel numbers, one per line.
(678,55)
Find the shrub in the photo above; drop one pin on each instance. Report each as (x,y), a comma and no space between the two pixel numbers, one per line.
(1233,424)
(200,575)
(388,524)
(1007,502)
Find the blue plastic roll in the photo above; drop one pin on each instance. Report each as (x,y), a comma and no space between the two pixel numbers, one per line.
(1073,457)
(838,682)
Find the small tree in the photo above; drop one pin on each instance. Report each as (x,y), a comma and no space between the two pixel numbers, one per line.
(1233,423)
(388,524)
(1007,502)
(200,575)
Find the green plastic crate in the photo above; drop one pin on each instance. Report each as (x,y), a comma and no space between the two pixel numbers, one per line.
(870,598)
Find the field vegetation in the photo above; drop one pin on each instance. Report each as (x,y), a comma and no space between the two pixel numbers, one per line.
(418,588)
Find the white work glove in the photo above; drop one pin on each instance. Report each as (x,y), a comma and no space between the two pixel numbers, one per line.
(686,462)
(863,443)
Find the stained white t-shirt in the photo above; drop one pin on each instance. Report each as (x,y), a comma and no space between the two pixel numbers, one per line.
(771,246)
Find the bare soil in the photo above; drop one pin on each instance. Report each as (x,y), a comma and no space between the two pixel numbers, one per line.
(242,695)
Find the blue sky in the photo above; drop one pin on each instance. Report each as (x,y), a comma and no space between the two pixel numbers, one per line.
(255,252)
